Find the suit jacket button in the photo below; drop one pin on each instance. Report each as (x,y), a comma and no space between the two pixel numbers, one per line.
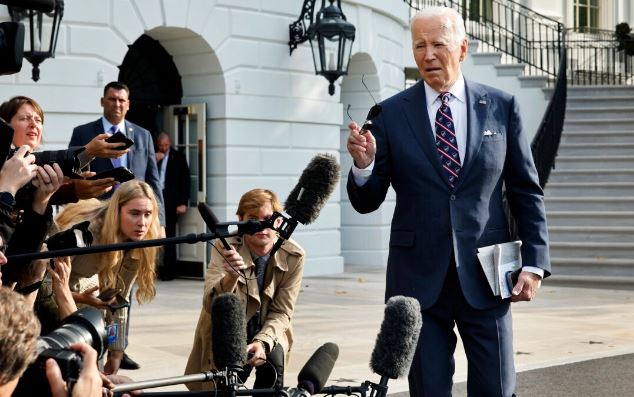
(452,197)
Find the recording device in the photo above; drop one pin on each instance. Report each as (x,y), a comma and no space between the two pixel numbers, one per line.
(120,174)
(229,333)
(396,342)
(76,237)
(65,158)
(120,137)
(108,294)
(84,326)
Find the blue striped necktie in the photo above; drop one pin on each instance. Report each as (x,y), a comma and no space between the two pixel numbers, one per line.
(446,142)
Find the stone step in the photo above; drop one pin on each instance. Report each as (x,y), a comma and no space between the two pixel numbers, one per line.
(599,234)
(592,102)
(626,136)
(591,266)
(566,162)
(589,219)
(591,175)
(605,282)
(593,250)
(596,149)
(596,203)
(577,91)
(618,123)
(580,189)
(599,112)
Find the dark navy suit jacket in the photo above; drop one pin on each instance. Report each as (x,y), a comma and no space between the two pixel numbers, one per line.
(141,158)
(431,221)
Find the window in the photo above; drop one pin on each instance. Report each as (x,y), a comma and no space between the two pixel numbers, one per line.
(586,15)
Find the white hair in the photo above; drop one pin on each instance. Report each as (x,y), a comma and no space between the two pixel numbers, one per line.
(451,21)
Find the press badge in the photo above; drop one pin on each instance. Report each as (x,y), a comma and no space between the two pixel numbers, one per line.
(112,331)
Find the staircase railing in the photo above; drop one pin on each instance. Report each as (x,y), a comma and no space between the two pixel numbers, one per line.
(511,28)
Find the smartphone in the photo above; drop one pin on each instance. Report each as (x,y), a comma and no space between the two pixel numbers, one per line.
(120,137)
(511,278)
(120,174)
(108,294)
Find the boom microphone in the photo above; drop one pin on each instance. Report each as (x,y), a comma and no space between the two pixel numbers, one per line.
(228,332)
(211,220)
(396,342)
(314,187)
(314,375)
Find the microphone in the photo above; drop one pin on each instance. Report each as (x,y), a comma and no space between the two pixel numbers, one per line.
(315,185)
(228,332)
(397,339)
(314,374)
(38,5)
(211,221)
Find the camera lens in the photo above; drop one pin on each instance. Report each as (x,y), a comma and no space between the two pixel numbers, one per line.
(84,326)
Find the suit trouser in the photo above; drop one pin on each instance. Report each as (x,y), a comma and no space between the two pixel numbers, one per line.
(487,336)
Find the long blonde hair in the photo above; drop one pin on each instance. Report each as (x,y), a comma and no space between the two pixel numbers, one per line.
(105,221)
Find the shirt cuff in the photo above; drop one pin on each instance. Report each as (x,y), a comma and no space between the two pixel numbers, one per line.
(361,176)
(535,270)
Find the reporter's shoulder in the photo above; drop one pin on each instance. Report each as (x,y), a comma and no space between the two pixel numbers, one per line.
(293,248)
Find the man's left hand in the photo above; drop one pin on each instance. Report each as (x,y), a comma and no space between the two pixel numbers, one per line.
(526,287)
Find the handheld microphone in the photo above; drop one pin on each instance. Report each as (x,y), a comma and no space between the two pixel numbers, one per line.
(314,374)
(228,333)
(397,339)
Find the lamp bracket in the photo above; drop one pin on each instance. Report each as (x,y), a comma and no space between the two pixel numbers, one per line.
(298,30)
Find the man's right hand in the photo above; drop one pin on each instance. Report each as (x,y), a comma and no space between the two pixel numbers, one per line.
(362,147)
(87,188)
(98,147)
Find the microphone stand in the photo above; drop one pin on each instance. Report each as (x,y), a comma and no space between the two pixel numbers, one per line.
(229,376)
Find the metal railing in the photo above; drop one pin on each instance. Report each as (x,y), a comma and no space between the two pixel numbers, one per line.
(516,31)
(594,58)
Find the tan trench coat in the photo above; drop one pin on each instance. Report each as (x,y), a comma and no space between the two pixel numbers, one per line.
(281,286)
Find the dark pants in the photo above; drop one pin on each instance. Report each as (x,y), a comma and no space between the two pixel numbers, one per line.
(270,374)
(487,336)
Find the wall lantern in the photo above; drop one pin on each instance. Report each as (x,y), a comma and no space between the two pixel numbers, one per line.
(330,35)
(42,34)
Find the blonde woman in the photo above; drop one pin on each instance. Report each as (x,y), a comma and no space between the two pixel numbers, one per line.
(131,214)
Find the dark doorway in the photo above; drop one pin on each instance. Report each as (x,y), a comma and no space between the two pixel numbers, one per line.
(150,73)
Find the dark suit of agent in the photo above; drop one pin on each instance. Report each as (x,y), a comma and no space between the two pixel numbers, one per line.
(140,159)
(440,220)
(175,182)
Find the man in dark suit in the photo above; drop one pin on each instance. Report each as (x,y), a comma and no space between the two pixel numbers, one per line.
(448,146)
(140,159)
(175,182)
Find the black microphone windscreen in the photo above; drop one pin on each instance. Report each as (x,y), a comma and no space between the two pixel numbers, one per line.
(315,185)
(38,5)
(228,332)
(396,342)
(210,219)
(314,375)
(77,236)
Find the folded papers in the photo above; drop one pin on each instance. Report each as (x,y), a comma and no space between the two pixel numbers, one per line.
(497,260)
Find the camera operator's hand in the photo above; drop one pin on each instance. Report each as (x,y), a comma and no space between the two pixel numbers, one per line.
(59,270)
(87,189)
(17,171)
(47,181)
(256,351)
(110,381)
(89,383)
(89,297)
(113,362)
(98,147)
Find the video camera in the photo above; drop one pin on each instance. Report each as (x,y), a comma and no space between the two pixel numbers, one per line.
(84,326)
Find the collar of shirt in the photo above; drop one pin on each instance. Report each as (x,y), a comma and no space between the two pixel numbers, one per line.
(458,105)
(107,125)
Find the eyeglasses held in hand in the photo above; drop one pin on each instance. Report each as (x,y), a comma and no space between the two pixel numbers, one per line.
(374,111)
